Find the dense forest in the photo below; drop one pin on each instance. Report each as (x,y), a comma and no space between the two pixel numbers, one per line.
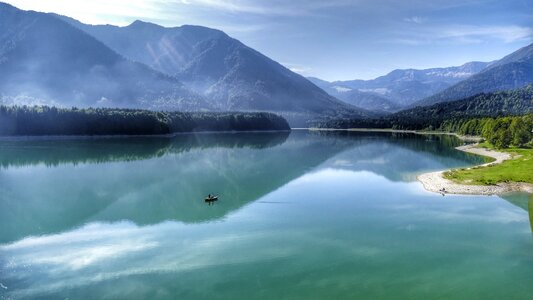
(513,102)
(501,132)
(44,120)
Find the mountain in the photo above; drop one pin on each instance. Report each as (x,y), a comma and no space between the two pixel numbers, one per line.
(513,102)
(45,60)
(502,103)
(513,71)
(232,75)
(365,100)
(404,87)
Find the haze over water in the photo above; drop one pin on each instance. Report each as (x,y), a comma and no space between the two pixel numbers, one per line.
(305,215)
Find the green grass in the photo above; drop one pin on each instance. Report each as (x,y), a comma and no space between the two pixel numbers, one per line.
(517,169)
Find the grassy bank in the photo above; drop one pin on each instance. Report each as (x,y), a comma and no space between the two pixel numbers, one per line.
(517,169)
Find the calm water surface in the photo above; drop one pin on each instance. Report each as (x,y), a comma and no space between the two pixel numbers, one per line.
(304,215)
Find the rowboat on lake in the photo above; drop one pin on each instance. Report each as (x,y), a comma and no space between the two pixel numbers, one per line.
(211,198)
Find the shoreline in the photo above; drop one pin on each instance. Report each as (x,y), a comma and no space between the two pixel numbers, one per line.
(435,182)
(469,138)
(121,136)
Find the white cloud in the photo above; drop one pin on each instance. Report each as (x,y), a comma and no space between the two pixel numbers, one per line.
(415,19)
(118,12)
(172,12)
(464,34)
(279,7)
(300,70)
(234,6)
(507,34)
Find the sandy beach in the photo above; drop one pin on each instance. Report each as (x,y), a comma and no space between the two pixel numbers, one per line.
(435,182)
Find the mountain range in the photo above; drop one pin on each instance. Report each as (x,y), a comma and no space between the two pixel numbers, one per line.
(51,59)
(399,88)
(406,88)
(509,102)
(512,71)
(56,60)
(368,100)
(209,62)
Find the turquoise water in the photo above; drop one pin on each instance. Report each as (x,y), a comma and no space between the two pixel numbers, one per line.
(305,215)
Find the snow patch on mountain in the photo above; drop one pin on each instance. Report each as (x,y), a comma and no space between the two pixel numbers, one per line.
(380,91)
(341,89)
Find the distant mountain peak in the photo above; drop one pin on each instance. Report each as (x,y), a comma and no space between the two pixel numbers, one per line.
(218,66)
(160,30)
(401,87)
(140,23)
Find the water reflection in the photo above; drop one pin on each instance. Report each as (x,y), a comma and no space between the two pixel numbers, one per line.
(16,152)
(522,200)
(170,182)
(401,156)
(310,215)
(346,237)
(49,186)
(19,152)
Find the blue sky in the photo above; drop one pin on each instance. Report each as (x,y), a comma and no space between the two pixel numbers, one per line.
(335,39)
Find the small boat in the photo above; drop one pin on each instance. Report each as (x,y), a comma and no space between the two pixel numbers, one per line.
(211,198)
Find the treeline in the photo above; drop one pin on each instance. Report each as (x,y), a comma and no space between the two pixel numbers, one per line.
(44,120)
(501,132)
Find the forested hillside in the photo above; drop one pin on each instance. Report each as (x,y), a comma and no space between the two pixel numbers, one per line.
(514,102)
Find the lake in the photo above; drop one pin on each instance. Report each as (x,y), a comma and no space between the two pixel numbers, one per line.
(301,215)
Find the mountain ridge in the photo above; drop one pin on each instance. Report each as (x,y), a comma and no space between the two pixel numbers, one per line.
(402,87)
(223,69)
(366,100)
(515,70)
(47,60)
(509,102)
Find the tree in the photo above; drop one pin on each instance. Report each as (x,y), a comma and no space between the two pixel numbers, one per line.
(520,132)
